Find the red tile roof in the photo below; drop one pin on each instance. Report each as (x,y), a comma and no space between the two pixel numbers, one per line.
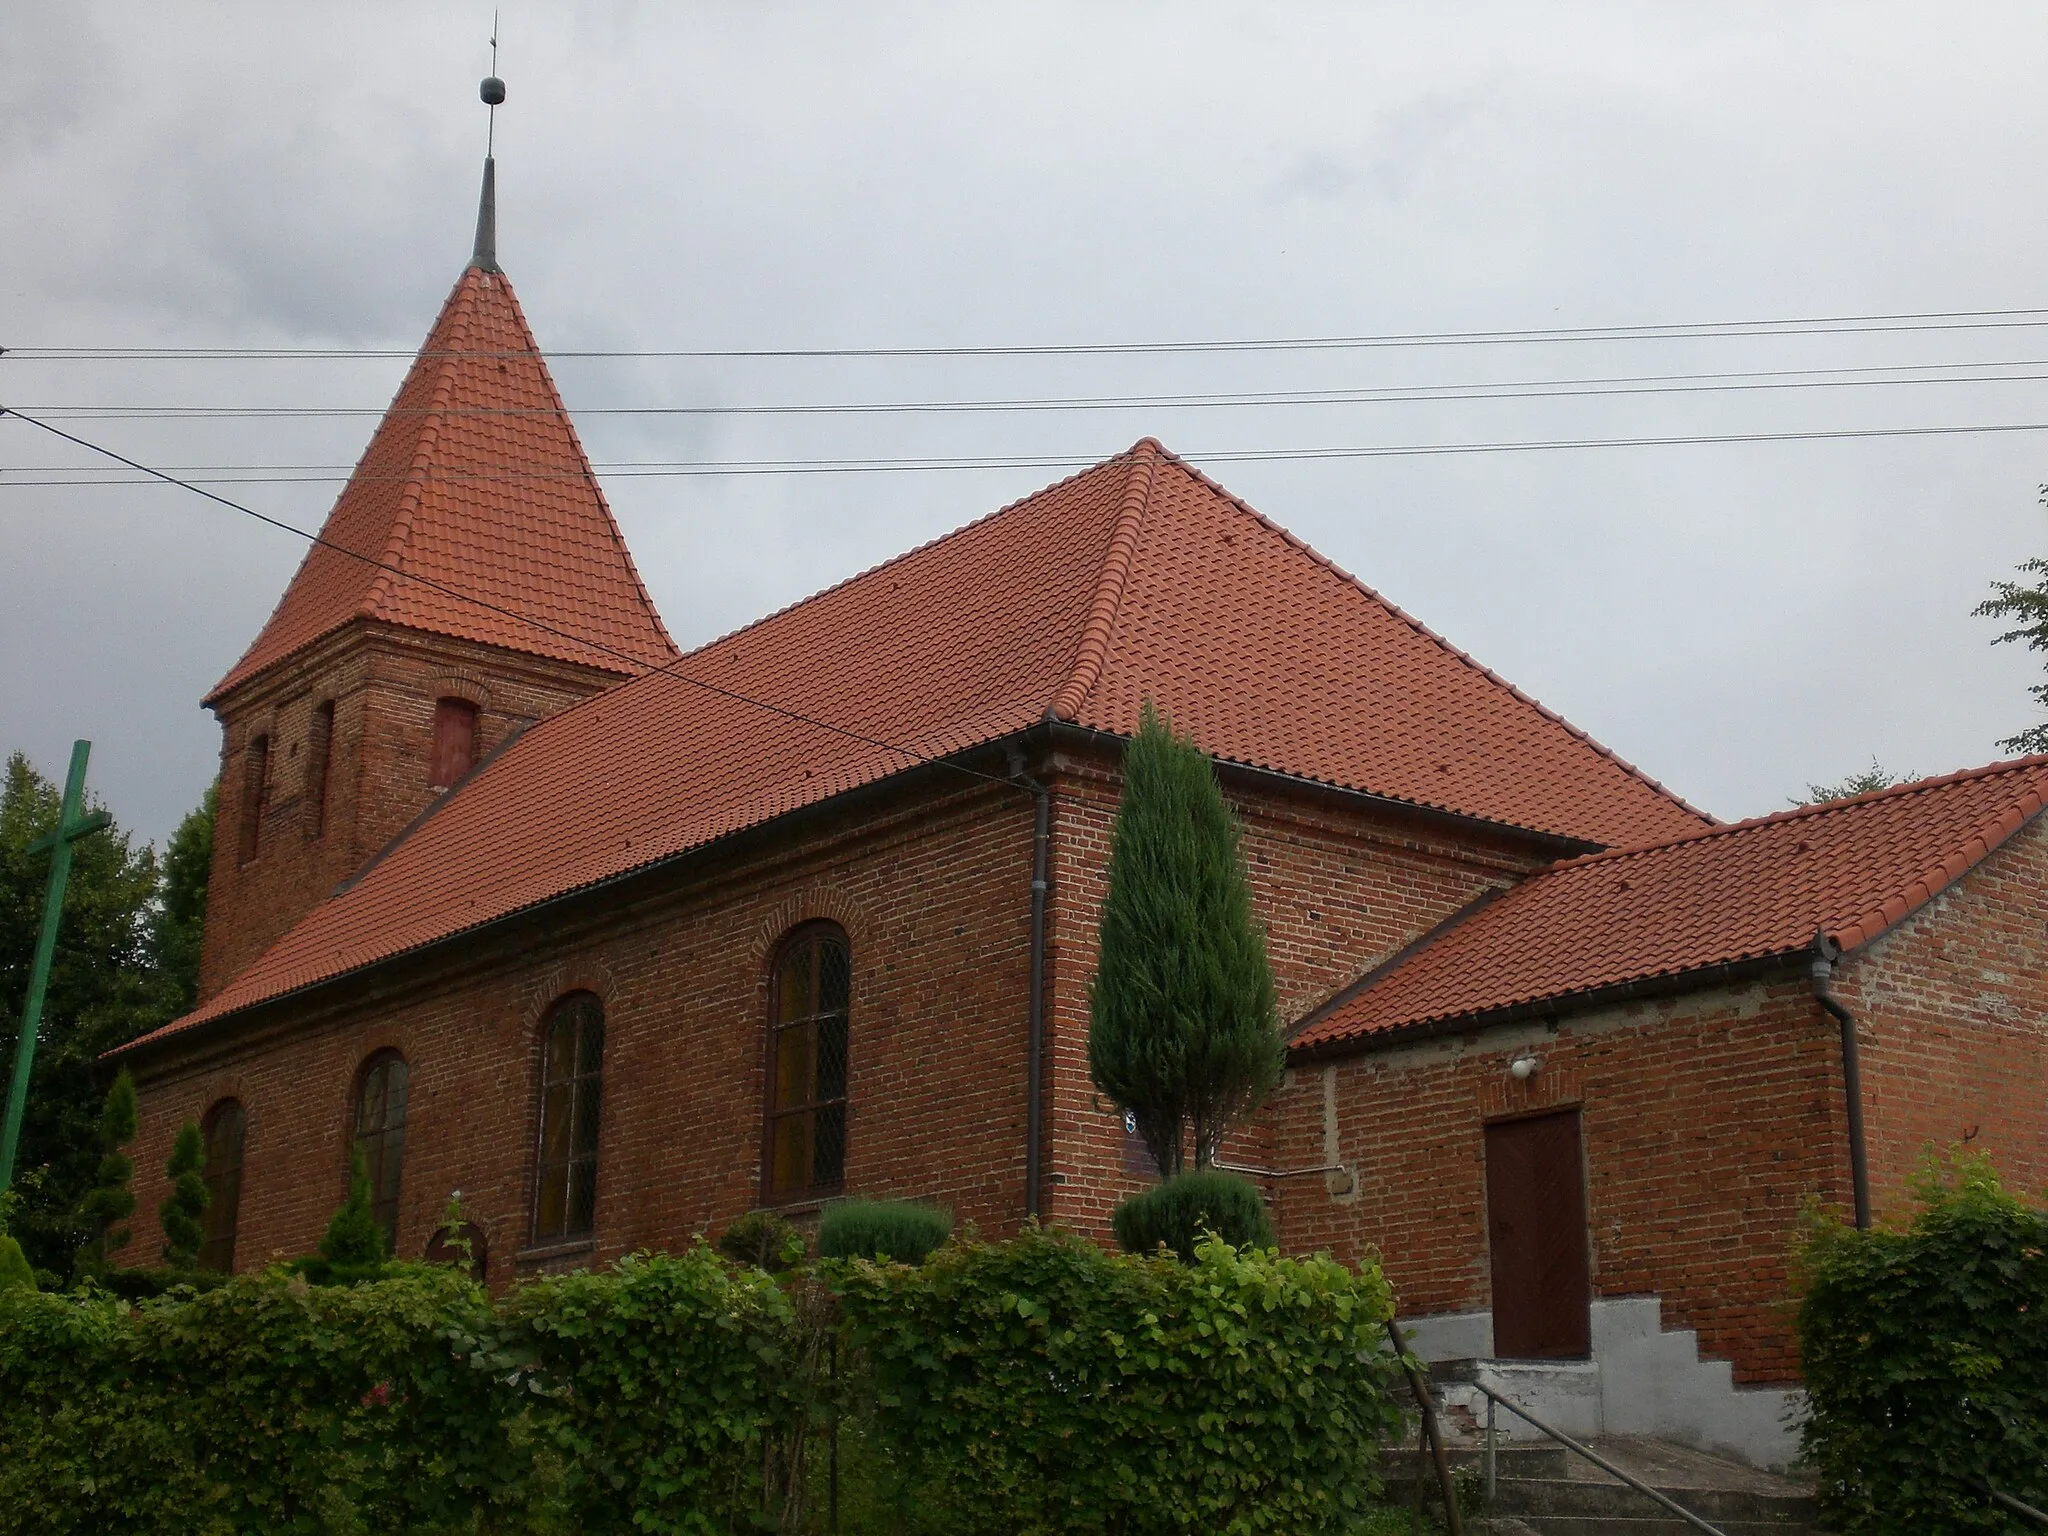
(474,481)
(1742,893)
(1135,579)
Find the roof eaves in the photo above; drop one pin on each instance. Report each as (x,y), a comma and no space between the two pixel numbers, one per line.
(1635,989)
(1093,650)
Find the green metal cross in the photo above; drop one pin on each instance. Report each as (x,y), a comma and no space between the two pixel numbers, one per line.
(72,824)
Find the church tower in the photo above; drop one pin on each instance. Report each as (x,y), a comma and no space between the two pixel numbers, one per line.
(469,581)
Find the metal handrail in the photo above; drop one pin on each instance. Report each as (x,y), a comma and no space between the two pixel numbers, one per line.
(2009,1501)
(1593,1456)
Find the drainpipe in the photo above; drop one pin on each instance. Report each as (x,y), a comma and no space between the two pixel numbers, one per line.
(1824,953)
(1034,1070)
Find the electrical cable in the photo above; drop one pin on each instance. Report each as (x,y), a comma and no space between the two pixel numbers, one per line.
(735,467)
(1927,320)
(642,668)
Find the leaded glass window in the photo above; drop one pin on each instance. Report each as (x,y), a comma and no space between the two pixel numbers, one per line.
(380,1133)
(222,1171)
(571,1093)
(805,1142)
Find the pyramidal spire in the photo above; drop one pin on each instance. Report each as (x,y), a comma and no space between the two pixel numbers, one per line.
(485,255)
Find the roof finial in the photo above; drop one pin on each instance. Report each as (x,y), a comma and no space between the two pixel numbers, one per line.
(485,257)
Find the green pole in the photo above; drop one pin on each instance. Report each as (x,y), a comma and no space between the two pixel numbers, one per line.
(71,825)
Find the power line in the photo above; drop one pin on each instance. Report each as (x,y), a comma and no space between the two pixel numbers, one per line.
(684,468)
(1928,320)
(640,668)
(1412,394)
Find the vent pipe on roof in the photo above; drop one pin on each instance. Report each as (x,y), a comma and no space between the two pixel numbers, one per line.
(1824,953)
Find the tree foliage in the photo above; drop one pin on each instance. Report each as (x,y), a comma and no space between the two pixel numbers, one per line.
(2023,607)
(1182,1030)
(105,988)
(180,917)
(110,1201)
(181,1213)
(1925,1352)
(1863,781)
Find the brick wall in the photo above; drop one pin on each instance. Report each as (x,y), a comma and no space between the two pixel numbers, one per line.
(383,683)
(934,891)
(1707,1121)
(1952,1013)
(1338,887)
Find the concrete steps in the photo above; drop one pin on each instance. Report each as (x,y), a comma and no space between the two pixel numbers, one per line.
(1545,1490)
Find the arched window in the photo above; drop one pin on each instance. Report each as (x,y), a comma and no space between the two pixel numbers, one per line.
(454,741)
(222,1129)
(380,1132)
(571,1083)
(804,1145)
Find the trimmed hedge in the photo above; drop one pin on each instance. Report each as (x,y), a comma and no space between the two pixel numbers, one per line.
(1177,1213)
(1925,1352)
(1038,1385)
(1042,1385)
(906,1231)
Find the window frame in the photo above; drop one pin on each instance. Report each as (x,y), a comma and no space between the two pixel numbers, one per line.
(214,1241)
(816,931)
(542,1164)
(378,1060)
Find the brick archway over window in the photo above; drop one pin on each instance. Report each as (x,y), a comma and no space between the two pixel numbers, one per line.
(817,903)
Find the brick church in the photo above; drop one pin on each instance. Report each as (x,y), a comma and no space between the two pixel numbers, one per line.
(623,942)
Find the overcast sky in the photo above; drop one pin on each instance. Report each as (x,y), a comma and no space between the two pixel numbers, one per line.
(1737,619)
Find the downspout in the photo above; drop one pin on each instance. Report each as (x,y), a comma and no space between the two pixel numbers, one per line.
(1824,953)
(1034,1069)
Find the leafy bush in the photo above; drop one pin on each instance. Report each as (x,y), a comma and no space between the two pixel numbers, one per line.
(266,1404)
(1926,1359)
(355,1246)
(903,1230)
(1176,1212)
(15,1273)
(764,1240)
(670,1382)
(1042,1385)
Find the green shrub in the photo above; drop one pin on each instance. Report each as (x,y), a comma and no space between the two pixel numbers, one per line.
(1925,1352)
(1176,1212)
(181,1210)
(1181,1030)
(110,1201)
(903,1230)
(355,1247)
(1042,1385)
(669,1382)
(15,1273)
(764,1240)
(265,1404)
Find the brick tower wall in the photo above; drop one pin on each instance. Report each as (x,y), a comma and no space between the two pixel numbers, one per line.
(383,683)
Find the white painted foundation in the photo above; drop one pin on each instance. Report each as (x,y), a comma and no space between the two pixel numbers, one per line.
(1642,1380)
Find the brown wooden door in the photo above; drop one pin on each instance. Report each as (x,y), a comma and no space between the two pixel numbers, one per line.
(1536,1226)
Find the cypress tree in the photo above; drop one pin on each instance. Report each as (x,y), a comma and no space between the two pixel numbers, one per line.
(1181,1022)
(182,1209)
(354,1239)
(110,1201)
